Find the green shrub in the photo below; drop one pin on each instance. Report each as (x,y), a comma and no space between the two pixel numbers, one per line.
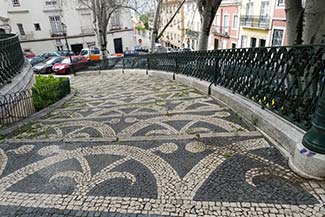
(48,90)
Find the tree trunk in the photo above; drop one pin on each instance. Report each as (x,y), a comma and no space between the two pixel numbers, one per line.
(204,32)
(314,31)
(208,10)
(155,26)
(294,13)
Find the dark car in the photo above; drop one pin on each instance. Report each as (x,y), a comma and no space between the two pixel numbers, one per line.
(50,55)
(36,60)
(46,66)
(65,53)
(130,53)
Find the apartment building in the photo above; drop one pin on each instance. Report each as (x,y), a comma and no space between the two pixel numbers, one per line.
(174,34)
(225,30)
(39,25)
(278,34)
(192,24)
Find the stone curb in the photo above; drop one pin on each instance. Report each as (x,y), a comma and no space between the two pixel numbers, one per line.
(16,126)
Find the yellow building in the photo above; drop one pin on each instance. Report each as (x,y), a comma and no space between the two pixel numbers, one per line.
(174,34)
(255,22)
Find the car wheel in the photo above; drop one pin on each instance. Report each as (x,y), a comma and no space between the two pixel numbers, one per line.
(69,71)
(48,71)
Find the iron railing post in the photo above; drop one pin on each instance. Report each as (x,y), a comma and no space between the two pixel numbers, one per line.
(123,65)
(147,71)
(314,139)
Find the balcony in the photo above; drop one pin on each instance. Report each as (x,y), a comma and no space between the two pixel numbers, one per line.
(57,33)
(262,22)
(27,36)
(192,33)
(222,31)
(85,30)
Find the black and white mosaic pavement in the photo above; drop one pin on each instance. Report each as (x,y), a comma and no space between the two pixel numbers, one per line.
(134,145)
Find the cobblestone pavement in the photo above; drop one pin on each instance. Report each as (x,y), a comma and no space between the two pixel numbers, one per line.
(134,145)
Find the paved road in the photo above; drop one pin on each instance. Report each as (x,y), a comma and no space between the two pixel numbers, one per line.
(133,145)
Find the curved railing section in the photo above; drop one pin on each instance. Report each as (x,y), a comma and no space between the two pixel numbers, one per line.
(11,58)
(285,80)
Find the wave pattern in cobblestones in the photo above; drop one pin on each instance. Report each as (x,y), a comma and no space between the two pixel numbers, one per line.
(131,145)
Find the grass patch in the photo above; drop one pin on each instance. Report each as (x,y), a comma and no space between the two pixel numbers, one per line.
(227,155)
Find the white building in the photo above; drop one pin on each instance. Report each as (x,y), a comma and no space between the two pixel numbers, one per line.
(39,25)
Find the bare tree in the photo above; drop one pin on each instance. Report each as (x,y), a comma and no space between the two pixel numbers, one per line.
(305,25)
(102,11)
(208,10)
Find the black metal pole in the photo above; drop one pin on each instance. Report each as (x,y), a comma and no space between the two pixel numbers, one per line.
(68,48)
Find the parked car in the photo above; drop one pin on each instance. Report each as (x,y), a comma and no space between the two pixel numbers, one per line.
(50,55)
(93,53)
(160,50)
(29,54)
(64,67)
(36,60)
(46,66)
(130,53)
(185,49)
(65,53)
(170,50)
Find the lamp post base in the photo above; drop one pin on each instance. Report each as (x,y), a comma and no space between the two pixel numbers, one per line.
(307,163)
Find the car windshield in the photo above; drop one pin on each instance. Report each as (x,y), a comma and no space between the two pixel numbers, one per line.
(54,60)
(84,52)
(66,61)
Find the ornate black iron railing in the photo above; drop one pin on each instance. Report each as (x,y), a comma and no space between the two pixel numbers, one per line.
(20,105)
(15,106)
(285,80)
(11,58)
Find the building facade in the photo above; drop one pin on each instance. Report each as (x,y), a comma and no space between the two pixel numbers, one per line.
(174,34)
(192,24)
(278,34)
(255,22)
(225,29)
(39,25)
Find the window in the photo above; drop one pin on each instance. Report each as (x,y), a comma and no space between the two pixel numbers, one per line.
(15,3)
(115,20)
(37,27)
(249,8)
(262,42)
(253,42)
(56,24)
(235,22)
(224,44)
(226,23)
(280,2)
(244,41)
(233,45)
(217,28)
(264,8)
(277,37)
(51,3)
(21,29)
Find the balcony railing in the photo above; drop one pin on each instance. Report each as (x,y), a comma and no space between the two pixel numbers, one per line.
(221,30)
(56,33)
(27,36)
(262,22)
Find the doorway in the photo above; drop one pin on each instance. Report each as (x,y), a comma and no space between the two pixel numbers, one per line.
(118,45)
(76,48)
